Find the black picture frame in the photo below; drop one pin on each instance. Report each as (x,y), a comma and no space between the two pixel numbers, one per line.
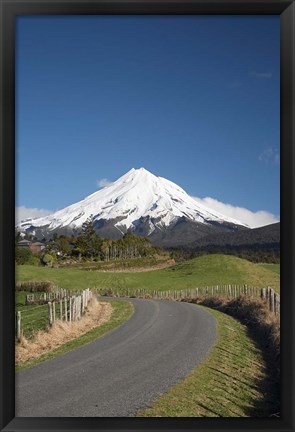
(9,9)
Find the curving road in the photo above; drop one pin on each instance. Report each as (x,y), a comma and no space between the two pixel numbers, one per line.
(123,371)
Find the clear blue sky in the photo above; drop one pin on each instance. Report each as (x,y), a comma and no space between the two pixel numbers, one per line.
(194,99)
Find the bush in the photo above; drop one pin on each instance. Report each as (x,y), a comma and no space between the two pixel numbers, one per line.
(34,261)
(23,255)
(49,259)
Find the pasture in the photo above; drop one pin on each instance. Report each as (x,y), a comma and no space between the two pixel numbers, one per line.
(205,270)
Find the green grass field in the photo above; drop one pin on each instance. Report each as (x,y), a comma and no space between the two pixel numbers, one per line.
(206,270)
(229,383)
(272,267)
(130,263)
(33,318)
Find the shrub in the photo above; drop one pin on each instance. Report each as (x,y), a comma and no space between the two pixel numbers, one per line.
(34,261)
(23,255)
(48,259)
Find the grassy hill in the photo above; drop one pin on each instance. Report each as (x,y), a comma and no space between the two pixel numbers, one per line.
(201,271)
(273,267)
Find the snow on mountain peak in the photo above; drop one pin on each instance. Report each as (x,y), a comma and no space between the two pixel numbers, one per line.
(135,195)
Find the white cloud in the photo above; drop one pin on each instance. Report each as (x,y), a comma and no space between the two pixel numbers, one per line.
(23,212)
(270,155)
(103,182)
(265,75)
(252,219)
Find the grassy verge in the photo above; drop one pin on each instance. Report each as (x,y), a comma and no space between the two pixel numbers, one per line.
(229,383)
(205,270)
(122,311)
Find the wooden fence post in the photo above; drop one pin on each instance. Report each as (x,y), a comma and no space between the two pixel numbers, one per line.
(271,301)
(74,309)
(77,308)
(18,326)
(277,304)
(83,300)
(60,309)
(50,316)
(263,293)
(80,305)
(66,309)
(70,309)
(53,308)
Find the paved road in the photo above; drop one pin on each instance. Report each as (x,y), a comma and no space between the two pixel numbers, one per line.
(123,371)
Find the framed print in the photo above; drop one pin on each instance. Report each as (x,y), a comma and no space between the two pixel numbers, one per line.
(147,207)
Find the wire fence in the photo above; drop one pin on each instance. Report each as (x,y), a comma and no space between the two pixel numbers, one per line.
(269,295)
(44,297)
(42,311)
(72,307)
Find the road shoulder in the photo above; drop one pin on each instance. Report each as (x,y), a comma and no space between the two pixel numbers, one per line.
(228,383)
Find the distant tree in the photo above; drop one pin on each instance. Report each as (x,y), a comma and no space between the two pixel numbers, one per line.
(129,246)
(89,243)
(62,243)
(106,249)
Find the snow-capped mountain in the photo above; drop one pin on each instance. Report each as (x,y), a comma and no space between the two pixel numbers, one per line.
(140,202)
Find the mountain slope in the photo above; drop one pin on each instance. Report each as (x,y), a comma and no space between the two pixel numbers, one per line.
(142,203)
(263,236)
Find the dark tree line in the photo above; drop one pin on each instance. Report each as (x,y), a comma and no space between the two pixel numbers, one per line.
(253,253)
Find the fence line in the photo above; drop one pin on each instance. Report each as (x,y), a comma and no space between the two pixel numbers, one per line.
(44,297)
(223,291)
(71,308)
